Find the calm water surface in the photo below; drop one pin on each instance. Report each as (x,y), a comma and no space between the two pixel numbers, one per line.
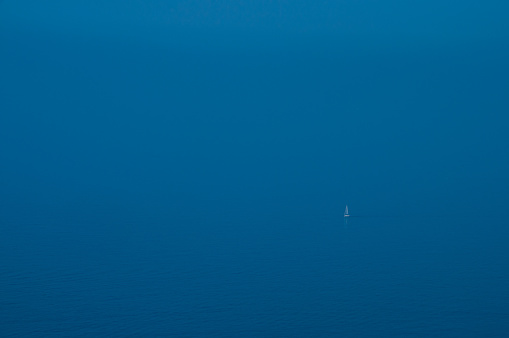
(256,276)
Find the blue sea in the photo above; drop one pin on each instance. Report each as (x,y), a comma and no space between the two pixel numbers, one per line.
(181,168)
(291,274)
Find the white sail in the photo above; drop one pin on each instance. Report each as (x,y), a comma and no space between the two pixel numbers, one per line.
(346,211)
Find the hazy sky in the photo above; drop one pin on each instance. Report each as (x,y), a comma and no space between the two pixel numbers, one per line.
(264,104)
(382,21)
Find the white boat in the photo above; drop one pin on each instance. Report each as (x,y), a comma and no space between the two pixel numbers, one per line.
(346,212)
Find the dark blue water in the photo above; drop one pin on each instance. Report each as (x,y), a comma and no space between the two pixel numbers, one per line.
(246,274)
(181,169)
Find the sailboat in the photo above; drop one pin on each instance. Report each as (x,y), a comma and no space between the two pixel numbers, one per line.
(346,212)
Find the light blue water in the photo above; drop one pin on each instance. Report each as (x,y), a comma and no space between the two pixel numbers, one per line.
(256,276)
